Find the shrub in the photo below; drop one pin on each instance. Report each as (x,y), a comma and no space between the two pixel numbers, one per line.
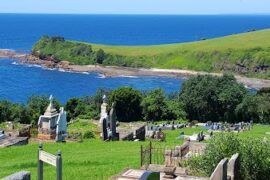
(88,135)
(254,156)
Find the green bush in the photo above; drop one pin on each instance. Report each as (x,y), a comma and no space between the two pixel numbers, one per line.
(127,104)
(254,156)
(212,98)
(88,135)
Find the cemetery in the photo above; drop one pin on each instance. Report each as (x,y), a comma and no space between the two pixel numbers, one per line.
(118,150)
(97,156)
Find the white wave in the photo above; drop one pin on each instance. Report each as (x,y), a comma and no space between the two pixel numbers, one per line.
(35,65)
(68,71)
(28,65)
(50,69)
(62,70)
(7,50)
(84,72)
(15,63)
(101,76)
(126,76)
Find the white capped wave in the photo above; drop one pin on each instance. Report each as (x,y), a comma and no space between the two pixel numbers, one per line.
(85,72)
(7,50)
(15,63)
(126,76)
(101,76)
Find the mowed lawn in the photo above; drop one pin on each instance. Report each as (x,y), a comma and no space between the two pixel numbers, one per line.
(88,160)
(94,159)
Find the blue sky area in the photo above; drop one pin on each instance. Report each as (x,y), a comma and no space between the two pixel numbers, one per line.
(136,6)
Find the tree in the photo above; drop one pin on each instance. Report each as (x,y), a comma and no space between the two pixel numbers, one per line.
(174,110)
(37,106)
(153,105)
(5,111)
(255,107)
(100,56)
(74,108)
(81,50)
(98,97)
(14,112)
(212,98)
(20,113)
(127,104)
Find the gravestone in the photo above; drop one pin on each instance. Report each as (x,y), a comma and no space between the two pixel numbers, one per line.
(108,122)
(112,118)
(52,125)
(137,174)
(234,167)
(220,173)
(103,112)
(104,132)
(22,175)
(168,157)
(61,126)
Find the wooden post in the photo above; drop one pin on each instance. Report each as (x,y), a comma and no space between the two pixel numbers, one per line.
(40,164)
(150,152)
(59,165)
(141,155)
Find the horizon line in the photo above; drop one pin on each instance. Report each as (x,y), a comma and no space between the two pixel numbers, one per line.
(137,14)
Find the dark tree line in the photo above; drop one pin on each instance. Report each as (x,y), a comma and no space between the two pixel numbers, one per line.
(202,98)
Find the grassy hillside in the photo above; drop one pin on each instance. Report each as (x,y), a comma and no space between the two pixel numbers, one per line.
(247,54)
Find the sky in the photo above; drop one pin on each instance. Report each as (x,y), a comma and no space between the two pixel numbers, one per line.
(136,6)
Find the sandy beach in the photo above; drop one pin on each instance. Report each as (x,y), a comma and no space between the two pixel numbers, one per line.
(125,71)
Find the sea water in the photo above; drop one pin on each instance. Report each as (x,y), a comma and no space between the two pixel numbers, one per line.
(20,31)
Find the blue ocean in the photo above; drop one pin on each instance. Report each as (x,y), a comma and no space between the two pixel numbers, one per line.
(20,31)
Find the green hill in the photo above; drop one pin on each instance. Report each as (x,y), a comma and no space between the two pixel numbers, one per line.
(247,54)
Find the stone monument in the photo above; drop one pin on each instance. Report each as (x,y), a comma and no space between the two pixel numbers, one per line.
(104,119)
(52,125)
(112,117)
(108,122)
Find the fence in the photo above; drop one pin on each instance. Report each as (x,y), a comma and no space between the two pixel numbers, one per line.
(160,154)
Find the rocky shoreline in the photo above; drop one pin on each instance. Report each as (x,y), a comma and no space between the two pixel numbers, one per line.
(122,71)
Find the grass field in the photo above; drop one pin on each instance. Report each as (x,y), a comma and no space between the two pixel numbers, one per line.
(247,54)
(92,159)
(239,41)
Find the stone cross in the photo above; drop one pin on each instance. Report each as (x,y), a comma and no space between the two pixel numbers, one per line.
(104,98)
(51,99)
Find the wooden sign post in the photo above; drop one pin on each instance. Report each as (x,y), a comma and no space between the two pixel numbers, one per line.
(49,159)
